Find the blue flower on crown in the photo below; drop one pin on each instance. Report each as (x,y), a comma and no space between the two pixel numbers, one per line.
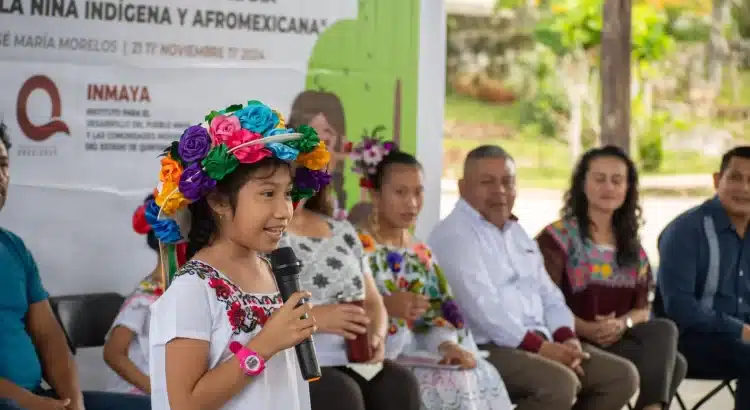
(166,230)
(257,117)
(283,151)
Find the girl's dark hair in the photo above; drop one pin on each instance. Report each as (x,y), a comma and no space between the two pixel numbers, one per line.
(627,218)
(322,202)
(151,239)
(203,226)
(393,158)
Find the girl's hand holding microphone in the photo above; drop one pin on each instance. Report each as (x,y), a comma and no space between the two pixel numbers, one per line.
(287,327)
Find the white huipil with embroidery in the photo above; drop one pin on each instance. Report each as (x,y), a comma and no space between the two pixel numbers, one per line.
(134,315)
(203,304)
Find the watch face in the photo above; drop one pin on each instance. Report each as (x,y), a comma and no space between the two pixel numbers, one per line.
(252,363)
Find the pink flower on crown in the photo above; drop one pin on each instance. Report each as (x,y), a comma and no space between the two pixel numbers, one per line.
(223,127)
(250,153)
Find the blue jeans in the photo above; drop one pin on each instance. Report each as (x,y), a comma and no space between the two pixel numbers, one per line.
(94,400)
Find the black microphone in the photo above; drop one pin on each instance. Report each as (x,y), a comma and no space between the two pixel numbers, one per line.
(286,268)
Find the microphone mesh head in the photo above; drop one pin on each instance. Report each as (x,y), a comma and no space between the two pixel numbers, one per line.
(283,256)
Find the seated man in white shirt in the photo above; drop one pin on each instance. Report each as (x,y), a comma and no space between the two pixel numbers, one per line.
(511,305)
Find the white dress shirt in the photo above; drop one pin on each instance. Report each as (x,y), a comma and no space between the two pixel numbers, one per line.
(499,280)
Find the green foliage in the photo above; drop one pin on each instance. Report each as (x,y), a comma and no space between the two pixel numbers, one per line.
(651,41)
(650,149)
(533,77)
(539,115)
(574,24)
(577,24)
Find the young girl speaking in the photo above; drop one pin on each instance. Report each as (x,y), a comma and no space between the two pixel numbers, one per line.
(220,334)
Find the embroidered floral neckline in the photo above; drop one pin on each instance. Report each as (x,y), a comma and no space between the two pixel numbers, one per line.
(247,312)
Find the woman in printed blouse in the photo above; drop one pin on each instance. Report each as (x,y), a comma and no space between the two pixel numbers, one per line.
(126,349)
(332,272)
(594,254)
(424,318)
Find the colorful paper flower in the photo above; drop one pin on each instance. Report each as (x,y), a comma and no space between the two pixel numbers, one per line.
(247,154)
(281,124)
(282,151)
(170,199)
(140,225)
(305,178)
(224,127)
(170,170)
(308,141)
(166,230)
(195,183)
(219,162)
(300,194)
(281,131)
(257,117)
(394,261)
(368,243)
(194,144)
(367,155)
(316,159)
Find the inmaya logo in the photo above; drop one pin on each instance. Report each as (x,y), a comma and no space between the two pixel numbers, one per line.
(55,125)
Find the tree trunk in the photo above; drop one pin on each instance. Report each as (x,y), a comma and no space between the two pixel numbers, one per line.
(615,75)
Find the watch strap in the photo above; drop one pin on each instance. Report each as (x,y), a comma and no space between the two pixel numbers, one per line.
(245,355)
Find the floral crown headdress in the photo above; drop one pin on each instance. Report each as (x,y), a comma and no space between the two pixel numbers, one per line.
(208,152)
(368,153)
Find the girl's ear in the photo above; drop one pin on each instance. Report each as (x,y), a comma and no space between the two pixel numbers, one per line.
(219,204)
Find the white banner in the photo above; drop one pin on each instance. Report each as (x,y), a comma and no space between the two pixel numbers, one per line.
(94,90)
(102,127)
(163,32)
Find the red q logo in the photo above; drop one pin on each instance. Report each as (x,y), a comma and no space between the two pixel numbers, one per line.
(40,132)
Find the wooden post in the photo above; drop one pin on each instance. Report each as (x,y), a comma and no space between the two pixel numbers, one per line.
(615,73)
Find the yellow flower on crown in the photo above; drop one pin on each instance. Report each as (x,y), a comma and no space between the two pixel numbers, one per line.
(282,123)
(316,159)
(170,199)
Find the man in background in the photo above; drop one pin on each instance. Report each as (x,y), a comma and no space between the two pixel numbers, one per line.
(704,278)
(32,342)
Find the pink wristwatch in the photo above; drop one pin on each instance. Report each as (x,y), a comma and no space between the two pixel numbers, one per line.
(251,362)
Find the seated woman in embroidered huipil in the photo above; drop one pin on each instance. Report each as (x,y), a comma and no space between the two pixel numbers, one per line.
(425,320)
(221,336)
(595,256)
(332,270)
(126,348)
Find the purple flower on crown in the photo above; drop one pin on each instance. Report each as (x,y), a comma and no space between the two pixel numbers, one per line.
(394,261)
(194,183)
(452,314)
(305,178)
(194,144)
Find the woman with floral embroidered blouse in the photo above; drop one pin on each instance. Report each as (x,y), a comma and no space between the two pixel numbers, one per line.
(332,271)
(594,254)
(426,327)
